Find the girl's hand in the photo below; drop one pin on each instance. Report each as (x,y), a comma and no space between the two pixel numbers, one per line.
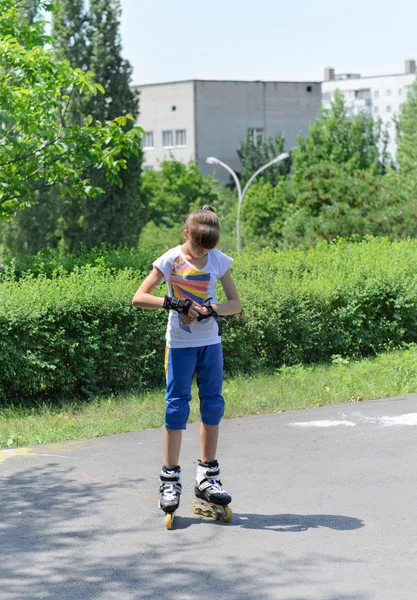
(187,320)
(193,313)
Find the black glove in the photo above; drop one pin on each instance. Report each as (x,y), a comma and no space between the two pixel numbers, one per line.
(181,305)
(211,313)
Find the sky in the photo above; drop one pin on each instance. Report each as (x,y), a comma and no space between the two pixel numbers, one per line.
(170,40)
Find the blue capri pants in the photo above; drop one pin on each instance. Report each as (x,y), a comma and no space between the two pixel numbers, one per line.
(180,366)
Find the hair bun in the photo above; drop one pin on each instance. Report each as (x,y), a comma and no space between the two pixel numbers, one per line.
(208,207)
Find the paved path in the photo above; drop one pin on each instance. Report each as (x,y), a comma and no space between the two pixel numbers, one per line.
(325,508)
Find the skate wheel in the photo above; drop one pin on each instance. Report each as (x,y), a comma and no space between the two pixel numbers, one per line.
(169,520)
(228,514)
(196,511)
(216,517)
(207,513)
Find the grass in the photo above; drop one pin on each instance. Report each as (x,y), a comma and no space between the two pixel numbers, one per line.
(290,388)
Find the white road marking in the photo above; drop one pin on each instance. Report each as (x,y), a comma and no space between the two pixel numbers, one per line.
(407,420)
(324,424)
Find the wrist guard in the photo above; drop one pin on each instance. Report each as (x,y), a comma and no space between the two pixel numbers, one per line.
(211,313)
(181,305)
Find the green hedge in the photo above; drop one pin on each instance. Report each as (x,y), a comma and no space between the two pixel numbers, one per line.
(77,333)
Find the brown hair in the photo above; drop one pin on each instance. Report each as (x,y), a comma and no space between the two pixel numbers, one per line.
(203,227)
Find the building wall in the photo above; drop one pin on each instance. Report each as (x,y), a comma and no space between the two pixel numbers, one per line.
(379,97)
(157,115)
(226,110)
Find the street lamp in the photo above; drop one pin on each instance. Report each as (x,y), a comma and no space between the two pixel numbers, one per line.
(211,160)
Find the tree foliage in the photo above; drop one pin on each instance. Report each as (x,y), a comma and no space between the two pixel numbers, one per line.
(39,146)
(255,152)
(356,142)
(342,184)
(407,146)
(175,190)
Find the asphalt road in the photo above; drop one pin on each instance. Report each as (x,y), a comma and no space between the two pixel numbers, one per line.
(324,502)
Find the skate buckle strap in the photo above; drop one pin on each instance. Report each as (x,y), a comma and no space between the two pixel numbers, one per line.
(169,478)
(212,472)
(207,483)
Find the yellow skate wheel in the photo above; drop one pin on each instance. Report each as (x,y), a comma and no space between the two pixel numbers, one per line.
(196,511)
(216,517)
(169,520)
(207,513)
(228,514)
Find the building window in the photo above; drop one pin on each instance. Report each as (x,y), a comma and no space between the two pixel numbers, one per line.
(167,139)
(326,97)
(256,134)
(180,138)
(388,109)
(388,92)
(376,94)
(309,88)
(148,140)
(376,109)
(400,92)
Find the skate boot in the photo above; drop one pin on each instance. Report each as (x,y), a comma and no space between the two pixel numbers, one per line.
(170,490)
(210,498)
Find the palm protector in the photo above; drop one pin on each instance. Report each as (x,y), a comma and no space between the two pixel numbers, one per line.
(211,313)
(181,305)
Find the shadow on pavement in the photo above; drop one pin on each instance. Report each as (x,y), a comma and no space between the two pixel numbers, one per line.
(58,543)
(296,523)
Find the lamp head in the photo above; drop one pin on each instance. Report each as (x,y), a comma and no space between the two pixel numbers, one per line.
(211,160)
(281,157)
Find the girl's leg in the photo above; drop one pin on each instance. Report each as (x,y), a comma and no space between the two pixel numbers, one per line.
(209,437)
(172,446)
(209,370)
(179,371)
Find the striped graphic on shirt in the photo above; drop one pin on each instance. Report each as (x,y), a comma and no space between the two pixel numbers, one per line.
(188,282)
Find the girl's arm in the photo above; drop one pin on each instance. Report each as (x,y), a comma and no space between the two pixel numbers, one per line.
(143,298)
(232,306)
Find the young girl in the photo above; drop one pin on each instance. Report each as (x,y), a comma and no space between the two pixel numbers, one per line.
(193,341)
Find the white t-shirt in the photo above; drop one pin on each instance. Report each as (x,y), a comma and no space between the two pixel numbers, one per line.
(185,281)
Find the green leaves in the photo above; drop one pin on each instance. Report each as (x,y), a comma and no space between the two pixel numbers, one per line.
(39,148)
(72,330)
(255,152)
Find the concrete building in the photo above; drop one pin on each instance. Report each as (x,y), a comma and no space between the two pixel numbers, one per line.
(379,96)
(196,119)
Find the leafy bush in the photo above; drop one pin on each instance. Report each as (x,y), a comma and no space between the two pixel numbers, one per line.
(77,333)
(49,261)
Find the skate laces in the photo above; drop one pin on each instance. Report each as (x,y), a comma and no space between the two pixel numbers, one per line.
(170,489)
(216,483)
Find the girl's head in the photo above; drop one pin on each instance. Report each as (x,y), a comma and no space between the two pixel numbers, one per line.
(202,230)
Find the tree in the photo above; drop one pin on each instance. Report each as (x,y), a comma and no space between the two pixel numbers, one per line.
(39,148)
(255,152)
(407,145)
(264,210)
(357,143)
(92,37)
(176,190)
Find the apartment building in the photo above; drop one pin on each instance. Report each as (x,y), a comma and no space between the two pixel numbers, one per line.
(379,96)
(196,119)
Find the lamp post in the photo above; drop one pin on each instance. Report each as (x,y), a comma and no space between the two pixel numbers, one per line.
(211,160)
